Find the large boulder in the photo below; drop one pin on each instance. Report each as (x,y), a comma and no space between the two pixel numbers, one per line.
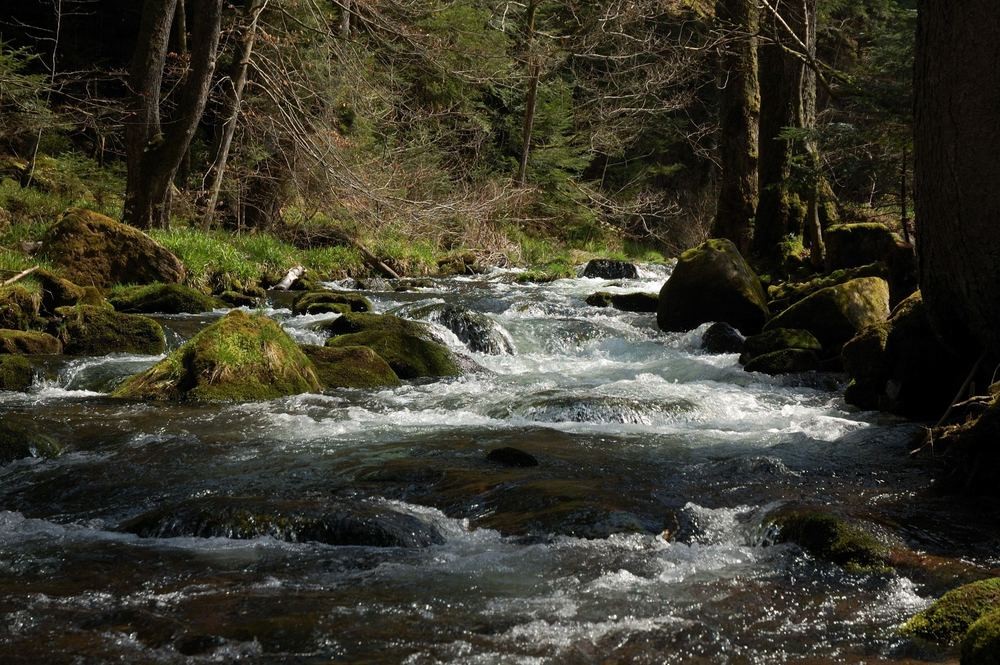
(162,299)
(350,367)
(784,295)
(712,282)
(28,343)
(637,301)
(239,358)
(899,365)
(16,373)
(610,269)
(86,330)
(838,313)
(853,245)
(406,345)
(93,250)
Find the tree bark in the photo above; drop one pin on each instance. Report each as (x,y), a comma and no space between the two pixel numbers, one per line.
(345,19)
(529,104)
(780,211)
(153,156)
(957,136)
(234,98)
(739,119)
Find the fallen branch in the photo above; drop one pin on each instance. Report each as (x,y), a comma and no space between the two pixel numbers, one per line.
(20,275)
(290,278)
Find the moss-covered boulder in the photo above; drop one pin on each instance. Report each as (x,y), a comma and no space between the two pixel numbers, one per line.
(785,361)
(86,330)
(712,282)
(900,366)
(626,302)
(18,442)
(350,367)
(16,373)
(162,299)
(610,269)
(355,301)
(852,245)
(406,345)
(832,538)
(784,295)
(779,339)
(328,308)
(836,314)
(93,250)
(951,615)
(28,343)
(19,308)
(238,299)
(57,292)
(981,644)
(239,358)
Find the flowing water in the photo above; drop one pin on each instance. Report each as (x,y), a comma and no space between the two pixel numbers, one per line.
(179,533)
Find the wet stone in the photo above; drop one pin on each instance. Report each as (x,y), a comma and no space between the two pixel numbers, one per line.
(514,457)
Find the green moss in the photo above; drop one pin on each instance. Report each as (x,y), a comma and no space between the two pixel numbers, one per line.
(86,330)
(785,361)
(350,367)
(354,301)
(19,308)
(599,299)
(778,339)
(16,374)
(786,294)
(405,345)
(838,313)
(981,644)
(953,613)
(28,343)
(240,357)
(833,539)
(162,298)
(237,299)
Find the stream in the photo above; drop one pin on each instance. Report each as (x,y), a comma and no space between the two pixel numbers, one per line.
(175,533)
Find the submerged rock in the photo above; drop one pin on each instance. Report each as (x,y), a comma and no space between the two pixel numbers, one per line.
(722,338)
(350,367)
(162,299)
(712,282)
(406,345)
(626,302)
(16,373)
(779,339)
(951,615)
(514,457)
(240,357)
(307,302)
(610,269)
(28,343)
(243,518)
(477,331)
(836,314)
(17,442)
(93,250)
(833,539)
(785,361)
(86,330)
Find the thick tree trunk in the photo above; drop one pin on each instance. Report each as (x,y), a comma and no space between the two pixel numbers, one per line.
(739,119)
(957,134)
(234,98)
(154,155)
(781,210)
(534,73)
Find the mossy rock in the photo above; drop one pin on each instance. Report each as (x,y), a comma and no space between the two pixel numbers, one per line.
(610,269)
(712,282)
(722,338)
(786,361)
(19,308)
(951,615)
(237,299)
(784,295)
(93,250)
(981,644)
(29,343)
(355,301)
(406,345)
(350,367)
(162,299)
(18,443)
(779,339)
(328,308)
(626,302)
(86,330)
(852,245)
(838,313)
(241,357)
(16,375)
(57,292)
(833,539)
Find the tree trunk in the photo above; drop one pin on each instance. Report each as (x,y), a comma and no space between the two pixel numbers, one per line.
(812,227)
(780,211)
(739,120)
(234,98)
(957,135)
(534,70)
(154,156)
(345,19)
